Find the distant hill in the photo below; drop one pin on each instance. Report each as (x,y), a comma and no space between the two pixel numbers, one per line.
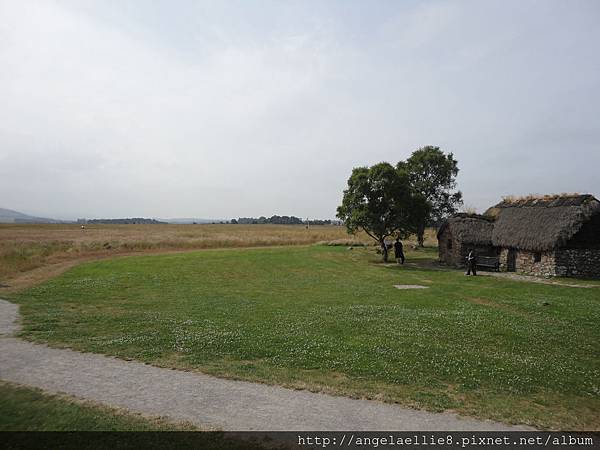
(11,216)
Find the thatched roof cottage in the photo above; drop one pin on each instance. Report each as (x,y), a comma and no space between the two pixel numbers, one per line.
(548,236)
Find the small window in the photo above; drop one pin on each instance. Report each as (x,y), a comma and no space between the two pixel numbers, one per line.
(449,244)
(537,257)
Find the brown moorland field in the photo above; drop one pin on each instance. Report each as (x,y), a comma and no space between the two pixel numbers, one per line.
(33,253)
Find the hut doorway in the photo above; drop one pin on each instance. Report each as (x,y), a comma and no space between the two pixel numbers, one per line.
(511,261)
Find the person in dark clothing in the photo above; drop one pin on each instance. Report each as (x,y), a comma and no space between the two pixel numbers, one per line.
(399,251)
(471,263)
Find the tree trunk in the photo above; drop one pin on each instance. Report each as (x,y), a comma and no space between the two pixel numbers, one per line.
(384,251)
(421,235)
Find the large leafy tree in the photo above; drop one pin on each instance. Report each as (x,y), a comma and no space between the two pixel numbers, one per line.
(432,173)
(380,201)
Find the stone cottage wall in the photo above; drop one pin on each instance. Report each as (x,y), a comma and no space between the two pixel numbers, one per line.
(581,256)
(578,263)
(526,264)
(503,259)
(561,263)
(449,256)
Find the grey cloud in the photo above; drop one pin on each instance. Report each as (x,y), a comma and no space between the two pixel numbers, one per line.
(219,109)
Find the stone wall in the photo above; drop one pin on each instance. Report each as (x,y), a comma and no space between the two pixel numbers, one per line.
(503,260)
(449,254)
(503,257)
(578,263)
(525,262)
(562,263)
(545,267)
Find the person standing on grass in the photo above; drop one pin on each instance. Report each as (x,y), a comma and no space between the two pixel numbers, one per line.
(399,251)
(471,263)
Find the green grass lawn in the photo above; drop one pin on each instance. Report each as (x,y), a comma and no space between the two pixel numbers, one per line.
(329,319)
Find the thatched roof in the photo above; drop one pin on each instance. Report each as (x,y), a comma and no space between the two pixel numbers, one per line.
(469,228)
(541,223)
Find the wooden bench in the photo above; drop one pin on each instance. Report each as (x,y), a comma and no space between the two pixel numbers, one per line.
(489,262)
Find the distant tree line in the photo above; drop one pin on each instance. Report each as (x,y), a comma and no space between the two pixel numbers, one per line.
(280,220)
(324,222)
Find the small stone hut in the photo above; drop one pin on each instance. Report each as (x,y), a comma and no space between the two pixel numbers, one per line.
(462,232)
(548,236)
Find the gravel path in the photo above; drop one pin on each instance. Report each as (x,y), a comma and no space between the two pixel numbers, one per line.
(9,315)
(200,399)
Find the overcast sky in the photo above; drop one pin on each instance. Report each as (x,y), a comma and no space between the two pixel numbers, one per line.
(222,109)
